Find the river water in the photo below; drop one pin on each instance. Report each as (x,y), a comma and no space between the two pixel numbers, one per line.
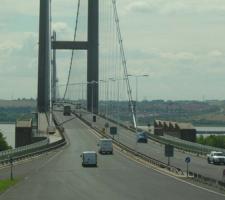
(8,131)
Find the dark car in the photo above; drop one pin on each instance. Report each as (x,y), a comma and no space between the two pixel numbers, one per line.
(142,137)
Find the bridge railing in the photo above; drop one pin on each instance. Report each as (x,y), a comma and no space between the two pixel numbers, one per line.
(185,145)
(23,149)
(33,149)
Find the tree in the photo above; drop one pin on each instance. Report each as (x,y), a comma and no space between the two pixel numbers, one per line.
(3,144)
(212,140)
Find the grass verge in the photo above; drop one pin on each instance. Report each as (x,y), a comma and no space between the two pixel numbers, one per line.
(5,184)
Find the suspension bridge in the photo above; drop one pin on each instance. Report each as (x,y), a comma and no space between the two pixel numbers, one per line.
(97,83)
(97,69)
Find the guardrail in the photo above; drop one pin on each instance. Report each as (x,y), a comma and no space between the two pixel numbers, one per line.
(34,152)
(33,149)
(206,180)
(185,145)
(136,153)
(23,149)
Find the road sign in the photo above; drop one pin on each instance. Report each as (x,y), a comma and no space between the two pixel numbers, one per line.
(113,130)
(169,150)
(106,125)
(187,159)
(223,177)
(94,118)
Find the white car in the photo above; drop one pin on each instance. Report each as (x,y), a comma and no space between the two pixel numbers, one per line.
(216,157)
(89,158)
(105,146)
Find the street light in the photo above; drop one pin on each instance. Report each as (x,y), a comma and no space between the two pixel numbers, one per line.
(136,78)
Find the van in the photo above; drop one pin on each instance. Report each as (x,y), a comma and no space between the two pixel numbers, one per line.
(66,110)
(105,146)
(89,158)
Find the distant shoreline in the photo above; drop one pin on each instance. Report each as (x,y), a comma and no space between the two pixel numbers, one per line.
(7,122)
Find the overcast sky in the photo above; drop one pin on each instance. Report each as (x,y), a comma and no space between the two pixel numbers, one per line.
(179,43)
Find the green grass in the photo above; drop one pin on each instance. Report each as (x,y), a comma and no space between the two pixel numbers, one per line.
(5,184)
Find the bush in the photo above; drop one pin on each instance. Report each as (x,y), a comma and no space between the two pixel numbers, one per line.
(212,140)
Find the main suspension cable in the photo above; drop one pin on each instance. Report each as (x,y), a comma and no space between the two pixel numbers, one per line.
(124,63)
(72,54)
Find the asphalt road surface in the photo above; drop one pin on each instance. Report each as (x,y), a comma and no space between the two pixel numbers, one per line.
(117,177)
(156,150)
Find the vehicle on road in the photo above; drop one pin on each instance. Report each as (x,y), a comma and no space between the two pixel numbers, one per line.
(216,157)
(67,110)
(105,146)
(142,137)
(89,158)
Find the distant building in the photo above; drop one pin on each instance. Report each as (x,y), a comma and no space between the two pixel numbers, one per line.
(184,131)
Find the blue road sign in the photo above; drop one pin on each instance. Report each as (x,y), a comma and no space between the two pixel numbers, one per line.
(187,159)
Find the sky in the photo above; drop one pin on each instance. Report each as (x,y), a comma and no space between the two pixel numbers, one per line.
(179,43)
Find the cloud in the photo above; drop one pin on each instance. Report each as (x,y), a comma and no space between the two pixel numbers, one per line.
(13,7)
(139,7)
(63,30)
(61,27)
(216,53)
(174,6)
(19,59)
(177,42)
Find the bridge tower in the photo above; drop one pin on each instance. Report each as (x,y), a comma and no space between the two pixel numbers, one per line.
(44,57)
(92,47)
(93,55)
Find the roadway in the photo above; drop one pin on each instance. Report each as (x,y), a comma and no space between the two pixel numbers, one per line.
(116,177)
(156,150)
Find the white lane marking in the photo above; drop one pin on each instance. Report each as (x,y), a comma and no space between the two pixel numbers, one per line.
(152,168)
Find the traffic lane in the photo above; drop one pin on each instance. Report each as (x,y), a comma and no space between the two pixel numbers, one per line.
(26,166)
(156,150)
(71,123)
(116,177)
(109,166)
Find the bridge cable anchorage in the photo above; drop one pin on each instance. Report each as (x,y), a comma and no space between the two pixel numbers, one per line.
(124,62)
(72,54)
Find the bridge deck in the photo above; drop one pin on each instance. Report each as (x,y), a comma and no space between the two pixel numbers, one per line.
(42,128)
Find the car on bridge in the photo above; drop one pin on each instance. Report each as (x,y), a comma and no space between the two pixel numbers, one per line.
(216,157)
(89,159)
(142,137)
